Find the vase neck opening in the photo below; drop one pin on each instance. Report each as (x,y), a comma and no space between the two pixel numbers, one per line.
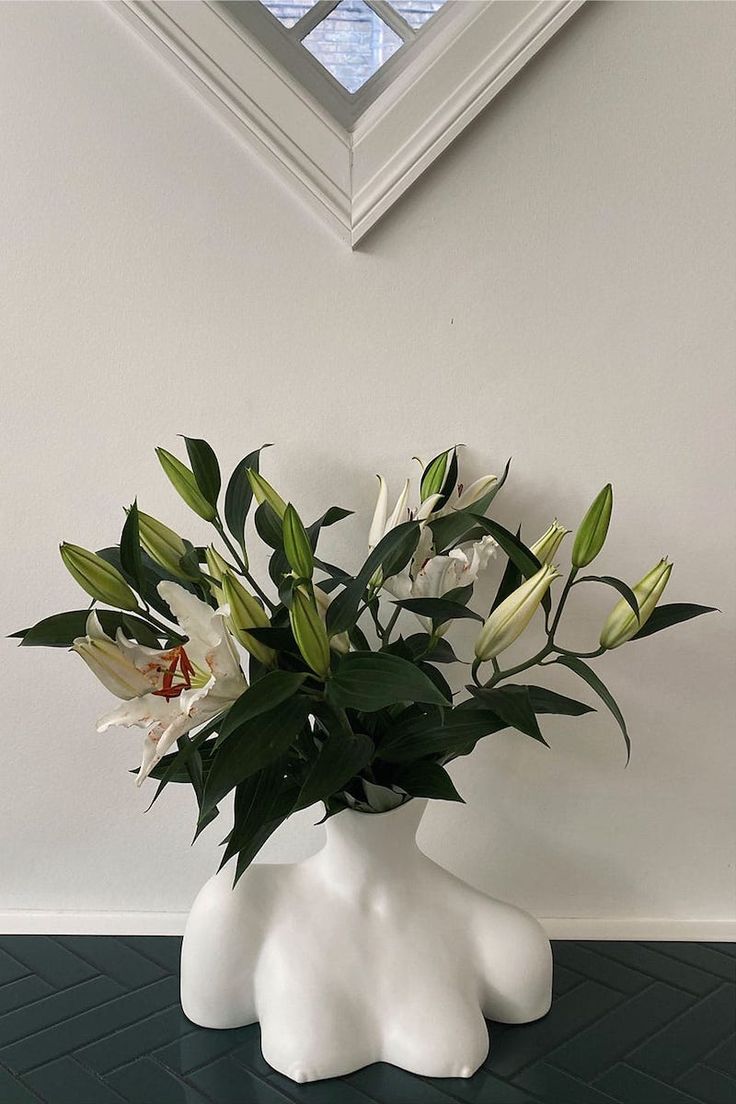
(373,842)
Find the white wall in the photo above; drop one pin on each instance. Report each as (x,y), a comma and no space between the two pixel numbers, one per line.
(559,287)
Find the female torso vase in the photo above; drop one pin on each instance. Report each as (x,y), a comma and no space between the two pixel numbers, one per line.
(366,952)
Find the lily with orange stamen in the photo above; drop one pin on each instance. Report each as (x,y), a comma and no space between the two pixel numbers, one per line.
(169,691)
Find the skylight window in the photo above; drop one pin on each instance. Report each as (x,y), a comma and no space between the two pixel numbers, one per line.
(352,39)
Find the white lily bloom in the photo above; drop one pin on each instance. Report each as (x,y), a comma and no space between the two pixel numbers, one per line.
(428,576)
(168,692)
(434,576)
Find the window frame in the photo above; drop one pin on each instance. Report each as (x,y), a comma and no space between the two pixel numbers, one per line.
(350,174)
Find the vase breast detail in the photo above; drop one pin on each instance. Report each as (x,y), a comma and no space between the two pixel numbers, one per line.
(368,951)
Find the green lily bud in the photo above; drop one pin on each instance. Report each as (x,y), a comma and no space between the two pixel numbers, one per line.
(296,545)
(592,530)
(99,578)
(163,545)
(433,477)
(545,547)
(184,483)
(246,612)
(216,565)
(309,632)
(621,624)
(264,492)
(511,617)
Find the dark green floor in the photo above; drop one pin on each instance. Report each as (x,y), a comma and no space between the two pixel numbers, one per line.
(96,1020)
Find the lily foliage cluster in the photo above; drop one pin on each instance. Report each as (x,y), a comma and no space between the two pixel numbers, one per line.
(325,685)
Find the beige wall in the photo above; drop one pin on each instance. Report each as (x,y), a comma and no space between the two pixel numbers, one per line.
(560,287)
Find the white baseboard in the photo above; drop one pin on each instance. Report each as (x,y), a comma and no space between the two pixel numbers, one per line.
(42,922)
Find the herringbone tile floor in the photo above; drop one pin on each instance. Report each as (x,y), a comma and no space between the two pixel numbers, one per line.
(96,1020)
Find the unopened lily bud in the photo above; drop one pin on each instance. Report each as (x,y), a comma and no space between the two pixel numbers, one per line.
(545,548)
(246,612)
(163,545)
(99,578)
(591,534)
(264,492)
(309,632)
(477,490)
(621,623)
(433,476)
(216,565)
(511,617)
(297,547)
(184,483)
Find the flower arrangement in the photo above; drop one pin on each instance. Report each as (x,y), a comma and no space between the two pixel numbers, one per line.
(330,690)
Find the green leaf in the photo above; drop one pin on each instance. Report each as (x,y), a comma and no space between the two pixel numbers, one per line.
(588,675)
(330,517)
(514,706)
(247,854)
(205,468)
(373,680)
(239,495)
(548,701)
(671,614)
(341,757)
(261,697)
(390,555)
(130,550)
(438,610)
(624,590)
(430,735)
(441,651)
(61,629)
(426,779)
(253,746)
(269,526)
(510,581)
(259,800)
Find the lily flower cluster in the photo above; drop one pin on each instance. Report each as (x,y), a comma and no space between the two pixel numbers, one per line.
(325,684)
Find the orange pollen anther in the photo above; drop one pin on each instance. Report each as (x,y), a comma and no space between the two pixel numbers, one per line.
(181,664)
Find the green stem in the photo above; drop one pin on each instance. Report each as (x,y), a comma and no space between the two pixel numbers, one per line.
(392,622)
(242,565)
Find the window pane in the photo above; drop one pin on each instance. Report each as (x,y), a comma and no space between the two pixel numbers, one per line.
(416,12)
(352,43)
(288,12)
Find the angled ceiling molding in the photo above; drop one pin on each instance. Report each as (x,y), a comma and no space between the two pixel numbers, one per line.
(350,177)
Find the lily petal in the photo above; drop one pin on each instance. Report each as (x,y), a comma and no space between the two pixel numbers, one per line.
(378,525)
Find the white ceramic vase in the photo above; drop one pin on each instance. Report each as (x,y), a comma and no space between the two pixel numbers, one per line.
(366,952)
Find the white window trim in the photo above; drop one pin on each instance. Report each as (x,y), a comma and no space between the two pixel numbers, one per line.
(351,177)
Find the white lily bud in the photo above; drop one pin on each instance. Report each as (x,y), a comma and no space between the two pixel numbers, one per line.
(475,492)
(508,621)
(621,624)
(545,547)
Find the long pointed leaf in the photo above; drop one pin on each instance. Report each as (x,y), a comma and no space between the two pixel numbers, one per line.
(672,614)
(588,675)
(205,468)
